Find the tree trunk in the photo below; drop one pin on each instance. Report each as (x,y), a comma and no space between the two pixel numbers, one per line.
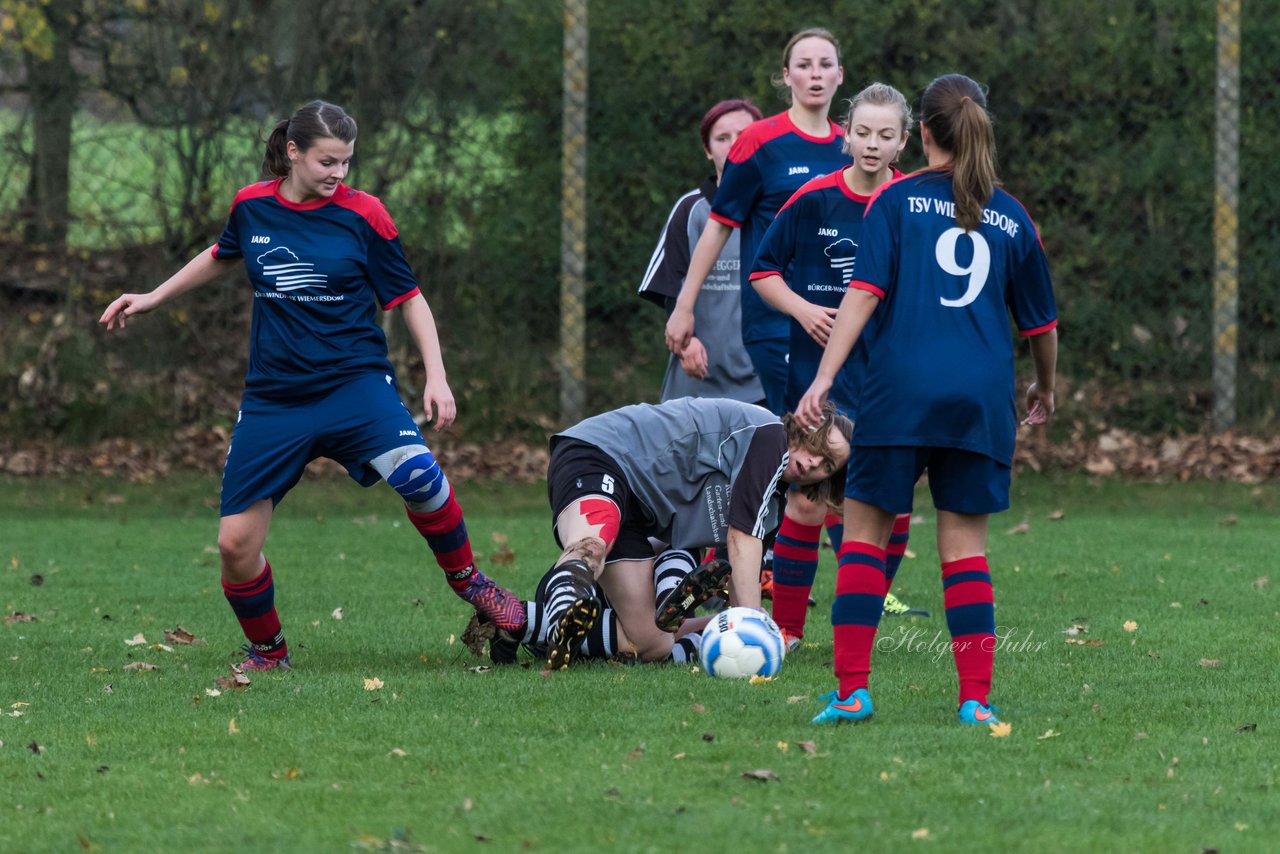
(52,89)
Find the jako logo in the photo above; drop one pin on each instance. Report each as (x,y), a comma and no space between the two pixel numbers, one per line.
(408,432)
(828,232)
(798,170)
(259,238)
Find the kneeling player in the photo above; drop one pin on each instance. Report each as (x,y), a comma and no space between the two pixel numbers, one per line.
(690,472)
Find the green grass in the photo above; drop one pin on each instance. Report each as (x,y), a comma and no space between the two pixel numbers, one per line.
(1145,756)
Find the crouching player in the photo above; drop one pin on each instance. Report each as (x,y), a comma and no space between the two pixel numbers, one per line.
(690,472)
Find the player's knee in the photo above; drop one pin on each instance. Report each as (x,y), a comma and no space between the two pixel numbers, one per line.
(418,478)
(237,550)
(589,550)
(652,645)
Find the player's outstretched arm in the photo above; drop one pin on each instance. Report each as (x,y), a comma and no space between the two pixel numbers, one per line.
(199,270)
(815,320)
(680,324)
(437,399)
(1044,352)
(855,310)
(745,556)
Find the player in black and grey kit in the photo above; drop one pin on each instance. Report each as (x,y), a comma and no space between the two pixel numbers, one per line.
(692,473)
(722,368)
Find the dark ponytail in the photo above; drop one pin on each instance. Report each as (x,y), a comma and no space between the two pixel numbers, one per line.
(954,108)
(314,121)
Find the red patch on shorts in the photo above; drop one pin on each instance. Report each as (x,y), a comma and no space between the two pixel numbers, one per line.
(603,512)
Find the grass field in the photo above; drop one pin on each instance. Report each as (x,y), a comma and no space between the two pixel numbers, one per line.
(1158,738)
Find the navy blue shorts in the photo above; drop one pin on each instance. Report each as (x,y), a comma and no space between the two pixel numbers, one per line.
(960,481)
(273,442)
(769,358)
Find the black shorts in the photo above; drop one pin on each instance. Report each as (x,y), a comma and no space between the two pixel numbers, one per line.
(578,470)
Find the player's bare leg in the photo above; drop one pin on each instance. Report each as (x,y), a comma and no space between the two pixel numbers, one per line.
(249,587)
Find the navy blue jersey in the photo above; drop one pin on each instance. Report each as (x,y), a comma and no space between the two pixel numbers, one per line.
(943,343)
(812,244)
(319,271)
(770,160)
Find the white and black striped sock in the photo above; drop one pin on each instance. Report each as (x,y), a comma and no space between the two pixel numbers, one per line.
(602,640)
(685,650)
(669,569)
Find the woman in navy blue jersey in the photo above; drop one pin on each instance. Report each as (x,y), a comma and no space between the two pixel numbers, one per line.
(769,162)
(945,256)
(803,267)
(322,258)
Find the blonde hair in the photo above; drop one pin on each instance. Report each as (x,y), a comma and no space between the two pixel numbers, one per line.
(880,95)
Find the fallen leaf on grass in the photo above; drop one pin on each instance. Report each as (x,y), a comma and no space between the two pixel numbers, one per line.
(86,844)
(807,746)
(1209,662)
(140,665)
(395,751)
(1083,641)
(136,640)
(1076,630)
(180,635)
(1057,515)
(237,679)
(1048,734)
(35,748)
(783,746)
(19,705)
(1262,582)
(337,614)
(196,779)
(1130,626)
(373,684)
(1229,520)
(17,713)
(108,689)
(920,833)
(212,692)
(758,679)
(160,647)
(19,617)
(1247,728)
(680,756)
(1020,528)
(1000,730)
(502,554)
(638,753)
(797,698)
(37,580)
(1241,826)
(232,729)
(761,775)
(479,668)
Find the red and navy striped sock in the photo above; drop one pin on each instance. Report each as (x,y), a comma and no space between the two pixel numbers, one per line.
(897,548)
(855,613)
(254,604)
(835,531)
(971,619)
(795,563)
(446,534)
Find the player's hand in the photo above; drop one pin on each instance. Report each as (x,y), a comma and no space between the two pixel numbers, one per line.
(679,330)
(125,306)
(438,404)
(809,410)
(1039,405)
(694,359)
(817,322)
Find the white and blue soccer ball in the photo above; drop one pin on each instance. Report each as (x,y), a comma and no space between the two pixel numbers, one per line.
(742,642)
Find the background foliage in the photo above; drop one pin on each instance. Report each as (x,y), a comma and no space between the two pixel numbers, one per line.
(1105,127)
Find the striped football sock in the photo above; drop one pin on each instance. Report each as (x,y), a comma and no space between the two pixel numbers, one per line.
(855,613)
(446,535)
(795,563)
(897,548)
(254,604)
(971,619)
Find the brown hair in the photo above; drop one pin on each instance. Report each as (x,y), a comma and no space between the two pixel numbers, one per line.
(881,95)
(954,109)
(811,33)
(722,109)
(314,121)
(817,440)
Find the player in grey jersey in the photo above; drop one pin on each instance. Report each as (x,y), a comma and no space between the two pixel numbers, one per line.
(692,472)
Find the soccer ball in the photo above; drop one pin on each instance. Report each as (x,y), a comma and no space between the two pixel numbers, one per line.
(740,643)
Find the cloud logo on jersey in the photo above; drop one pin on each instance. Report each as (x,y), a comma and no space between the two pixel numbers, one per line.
(842,253)
(282,269)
